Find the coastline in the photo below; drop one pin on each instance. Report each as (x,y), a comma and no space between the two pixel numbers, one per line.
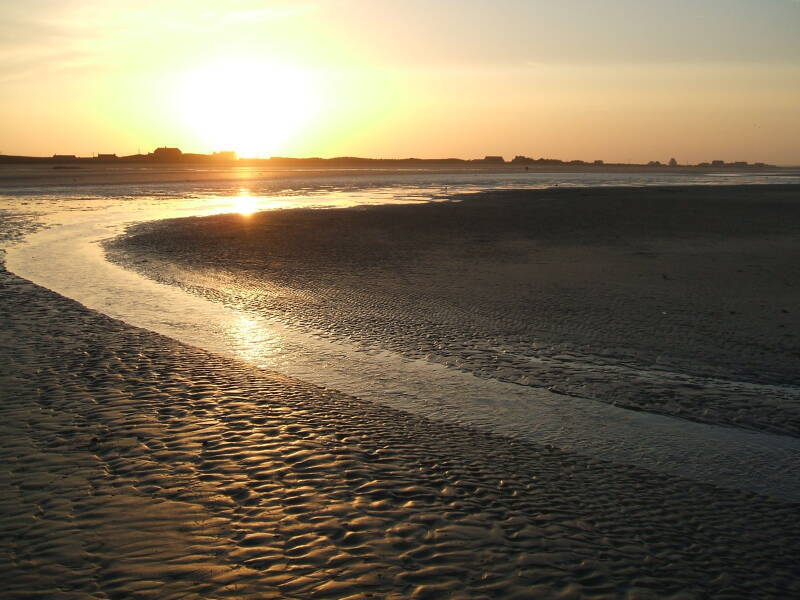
(67,258)
(107,174)
(258,485)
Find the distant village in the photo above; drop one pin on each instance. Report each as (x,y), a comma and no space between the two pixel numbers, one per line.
(175,155)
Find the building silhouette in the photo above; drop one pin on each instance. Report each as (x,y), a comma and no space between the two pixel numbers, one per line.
(166,153)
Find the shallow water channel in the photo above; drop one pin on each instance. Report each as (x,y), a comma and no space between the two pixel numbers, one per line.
(65,256)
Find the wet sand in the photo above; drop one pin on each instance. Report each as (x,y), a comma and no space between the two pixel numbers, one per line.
(662,299)
(81,173)
(136,467)
(39,176)
(22,176)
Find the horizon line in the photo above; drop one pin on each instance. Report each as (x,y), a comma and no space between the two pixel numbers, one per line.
(173,154)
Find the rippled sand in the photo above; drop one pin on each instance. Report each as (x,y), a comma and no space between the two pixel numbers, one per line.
(658,299)
(136,467)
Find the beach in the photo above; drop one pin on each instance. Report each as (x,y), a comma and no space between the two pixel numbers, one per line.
(89,173)
(347,300)
(136,467)
(140,467)
(599,293)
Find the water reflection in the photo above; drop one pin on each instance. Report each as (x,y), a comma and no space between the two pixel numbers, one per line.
(253,342)
(245,204)
(66,258)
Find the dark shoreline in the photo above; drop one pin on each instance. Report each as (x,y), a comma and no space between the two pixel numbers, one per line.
(699,280)
(71,174)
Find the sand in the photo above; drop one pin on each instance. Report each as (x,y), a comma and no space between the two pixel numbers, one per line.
(21,176)
(25,176)
(669,300)
(137,467)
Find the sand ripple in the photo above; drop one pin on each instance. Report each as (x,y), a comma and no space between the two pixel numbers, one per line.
(136,467)
(663,300)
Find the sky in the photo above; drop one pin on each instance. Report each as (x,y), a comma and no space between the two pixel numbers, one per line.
(618,80)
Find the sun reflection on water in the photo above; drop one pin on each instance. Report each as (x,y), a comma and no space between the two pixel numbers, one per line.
(244,203)
(253,342)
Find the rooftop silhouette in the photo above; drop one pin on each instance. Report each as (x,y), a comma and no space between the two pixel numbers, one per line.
(174,155)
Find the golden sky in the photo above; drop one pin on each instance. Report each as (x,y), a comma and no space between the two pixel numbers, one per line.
(621,80)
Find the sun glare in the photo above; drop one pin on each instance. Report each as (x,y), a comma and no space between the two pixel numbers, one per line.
(250,106)
(245,204)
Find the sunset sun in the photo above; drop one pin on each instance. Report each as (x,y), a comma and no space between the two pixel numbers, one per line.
(250,106)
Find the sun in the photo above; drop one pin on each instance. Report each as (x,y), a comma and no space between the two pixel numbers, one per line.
(251,106)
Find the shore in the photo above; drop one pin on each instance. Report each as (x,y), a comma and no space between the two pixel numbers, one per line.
(669,300)
(136,467)
(72,174)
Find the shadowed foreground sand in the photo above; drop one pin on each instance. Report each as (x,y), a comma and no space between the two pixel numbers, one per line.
(135,467)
